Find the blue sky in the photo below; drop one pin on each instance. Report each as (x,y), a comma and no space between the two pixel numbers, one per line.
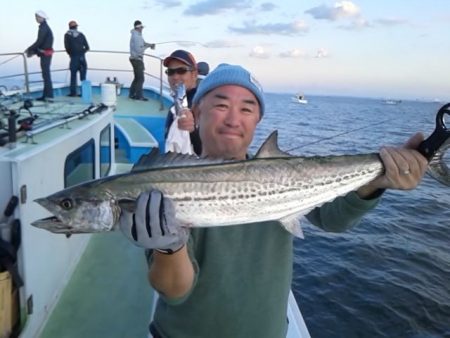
(395,49)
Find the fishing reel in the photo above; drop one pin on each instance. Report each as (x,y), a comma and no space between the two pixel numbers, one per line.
(440,135)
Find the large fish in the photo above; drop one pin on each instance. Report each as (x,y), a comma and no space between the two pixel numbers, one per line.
(207,192)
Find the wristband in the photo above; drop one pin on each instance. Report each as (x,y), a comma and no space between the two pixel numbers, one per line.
(168,251)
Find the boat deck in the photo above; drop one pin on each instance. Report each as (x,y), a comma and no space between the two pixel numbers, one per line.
(107,270)
(62,113)
(108,294)
(104,298)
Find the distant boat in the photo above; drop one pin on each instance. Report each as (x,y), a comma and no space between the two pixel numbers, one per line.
(392,102)
(300,98)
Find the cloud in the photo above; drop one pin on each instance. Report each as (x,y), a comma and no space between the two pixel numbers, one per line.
(292,28)
(168,3)
(222,44)
(293,53)
(267,6)
(391,21)
(259,52)
(340,10)
(322,53)
(357,25)
(210,7)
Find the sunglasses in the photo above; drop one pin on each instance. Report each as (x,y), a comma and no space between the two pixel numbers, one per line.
(179,71)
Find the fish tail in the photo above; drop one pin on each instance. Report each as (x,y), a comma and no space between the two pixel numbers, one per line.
(437,167)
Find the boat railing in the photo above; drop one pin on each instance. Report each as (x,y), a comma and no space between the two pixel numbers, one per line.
(21,74)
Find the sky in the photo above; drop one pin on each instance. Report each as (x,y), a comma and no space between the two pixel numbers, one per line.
(366,48)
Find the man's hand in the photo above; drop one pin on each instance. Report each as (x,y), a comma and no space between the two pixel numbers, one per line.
(153,225)
(186,120)
(29,53)
(404,168)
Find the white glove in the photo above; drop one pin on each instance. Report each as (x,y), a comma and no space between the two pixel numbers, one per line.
(153,225)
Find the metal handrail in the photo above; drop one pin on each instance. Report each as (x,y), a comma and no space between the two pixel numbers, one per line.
(26,74)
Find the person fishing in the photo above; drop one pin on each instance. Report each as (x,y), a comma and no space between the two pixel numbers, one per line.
(234,281)
(137,49)
(182,70)
(43,48)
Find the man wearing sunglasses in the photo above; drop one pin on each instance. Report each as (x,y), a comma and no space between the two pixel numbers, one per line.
(182,68)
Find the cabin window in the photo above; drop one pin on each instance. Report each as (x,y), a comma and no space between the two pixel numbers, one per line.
(80,165)
(105,151)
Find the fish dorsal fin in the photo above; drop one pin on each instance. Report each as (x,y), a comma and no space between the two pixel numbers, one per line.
(155,159)
(270,148)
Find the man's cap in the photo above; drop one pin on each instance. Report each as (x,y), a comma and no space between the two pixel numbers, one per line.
(203,68)
(41,14)
(138,24)
(73,24)
(226,74)
(183,56)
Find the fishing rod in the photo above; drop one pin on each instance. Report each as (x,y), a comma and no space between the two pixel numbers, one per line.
(340,134)
(181,42)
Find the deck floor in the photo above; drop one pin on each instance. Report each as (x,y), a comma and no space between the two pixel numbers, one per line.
(108,294)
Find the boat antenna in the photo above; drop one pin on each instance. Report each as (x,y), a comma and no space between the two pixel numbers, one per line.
(337,135)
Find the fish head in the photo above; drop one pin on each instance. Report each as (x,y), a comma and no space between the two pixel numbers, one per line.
(78,211)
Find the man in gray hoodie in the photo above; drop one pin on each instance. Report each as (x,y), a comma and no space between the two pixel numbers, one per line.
(137,48)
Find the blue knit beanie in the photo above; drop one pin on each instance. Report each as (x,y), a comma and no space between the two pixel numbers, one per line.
(226,74)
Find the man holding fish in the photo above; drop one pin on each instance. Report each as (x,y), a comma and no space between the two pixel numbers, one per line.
(234,281)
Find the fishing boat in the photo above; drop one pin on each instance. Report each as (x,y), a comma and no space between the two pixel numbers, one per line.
(91,285)
(300,98)
(392,102)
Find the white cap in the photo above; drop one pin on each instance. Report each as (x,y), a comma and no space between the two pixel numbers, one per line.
(41,14)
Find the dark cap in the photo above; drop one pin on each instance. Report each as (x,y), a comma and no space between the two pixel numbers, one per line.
(183,56)
(203,68)
(73,24)
(138,24)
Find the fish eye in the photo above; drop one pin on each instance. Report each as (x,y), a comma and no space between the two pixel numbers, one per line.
(66,204)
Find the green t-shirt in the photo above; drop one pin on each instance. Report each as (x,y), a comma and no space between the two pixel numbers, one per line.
(243,276)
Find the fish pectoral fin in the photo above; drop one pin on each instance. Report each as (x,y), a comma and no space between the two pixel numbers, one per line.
(292,224)
(127,204)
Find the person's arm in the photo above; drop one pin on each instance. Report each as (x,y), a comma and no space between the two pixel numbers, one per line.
(67,43)
(40,39)
(186,120)
(86,45)
(404,169)
(153,226)
(342,213)
(172,275)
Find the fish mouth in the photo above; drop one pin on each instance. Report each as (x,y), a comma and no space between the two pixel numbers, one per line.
(52,223)
(55,225)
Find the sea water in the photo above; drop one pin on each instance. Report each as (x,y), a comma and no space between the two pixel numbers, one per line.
(389,276)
